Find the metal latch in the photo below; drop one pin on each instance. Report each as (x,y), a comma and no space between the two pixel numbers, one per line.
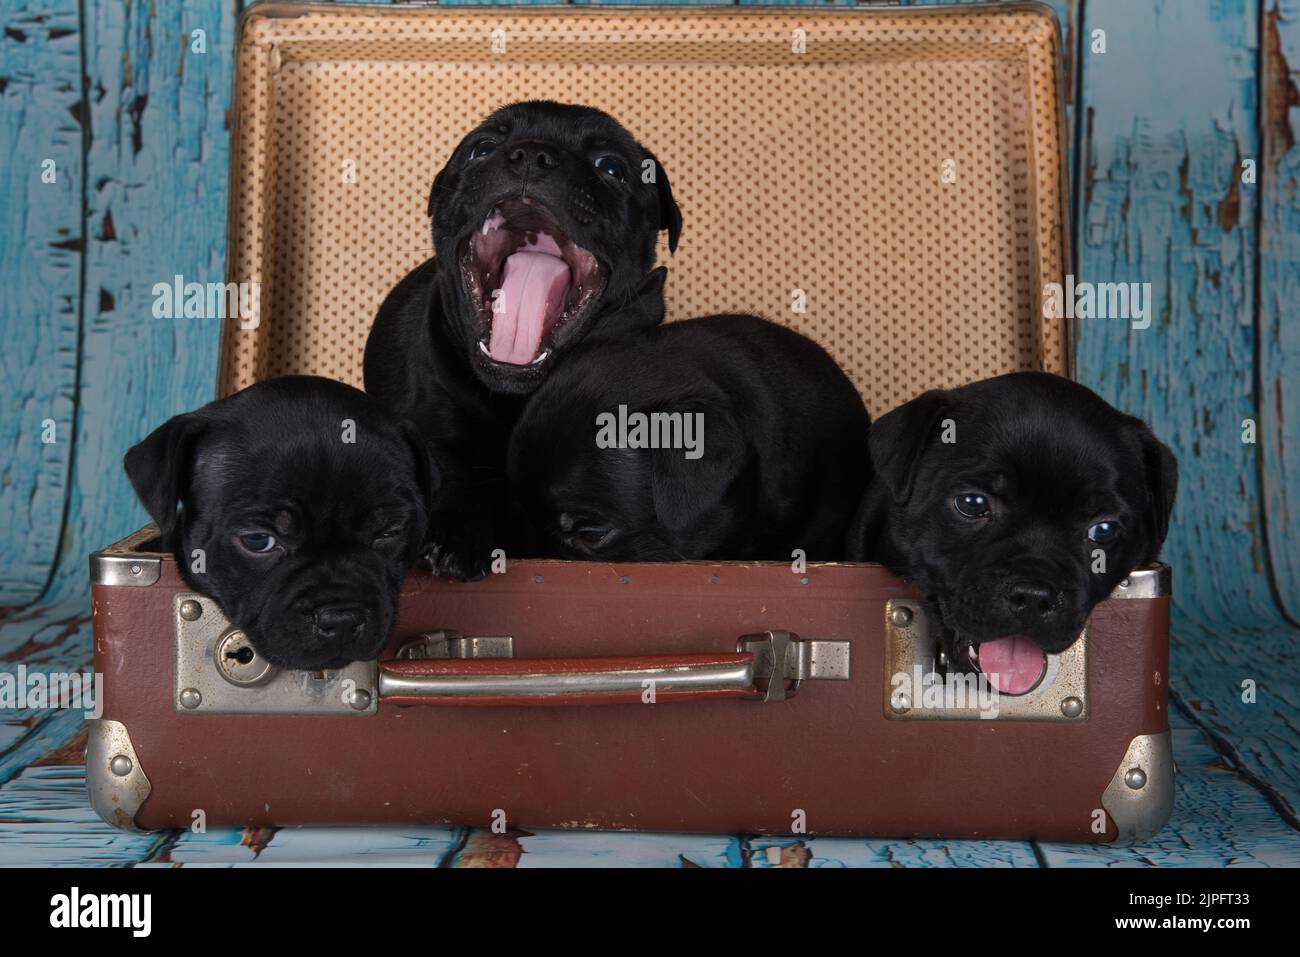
(218,671)
(921,685)
(783,659)
(452,644)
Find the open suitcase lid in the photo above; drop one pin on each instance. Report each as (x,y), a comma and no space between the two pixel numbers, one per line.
(902,169)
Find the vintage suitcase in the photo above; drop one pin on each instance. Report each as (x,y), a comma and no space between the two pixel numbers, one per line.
(903,170)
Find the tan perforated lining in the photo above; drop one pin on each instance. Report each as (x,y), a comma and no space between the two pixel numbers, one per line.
(818,171)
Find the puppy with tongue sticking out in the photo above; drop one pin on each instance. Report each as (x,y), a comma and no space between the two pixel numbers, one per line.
(546,222)
(1015,504)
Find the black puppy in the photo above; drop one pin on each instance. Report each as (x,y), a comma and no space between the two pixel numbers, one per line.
(1015,504)
(723,437)
(303,508)
(545,223)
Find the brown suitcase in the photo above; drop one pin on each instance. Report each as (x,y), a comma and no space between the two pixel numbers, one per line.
(904,170)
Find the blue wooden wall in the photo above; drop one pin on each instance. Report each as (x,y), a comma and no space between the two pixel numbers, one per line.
(1160,126)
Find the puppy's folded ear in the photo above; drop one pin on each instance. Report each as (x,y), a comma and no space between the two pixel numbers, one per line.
(898,439)
(439,182)
(1162,481)
(159,467)
(685,489)
(670,216)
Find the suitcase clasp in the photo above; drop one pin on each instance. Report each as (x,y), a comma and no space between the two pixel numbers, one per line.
(782,659)
(452,644)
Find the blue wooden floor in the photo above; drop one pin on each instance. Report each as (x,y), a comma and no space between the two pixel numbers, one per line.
(1186,174)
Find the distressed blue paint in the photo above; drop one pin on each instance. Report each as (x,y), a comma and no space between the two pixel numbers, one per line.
(579,848)
(40,275)
(819,852)
(49,638)
(1279,306)
(49,823)
(1219,820)
(1163,203)
(157,168)
(1161,154)
(323,846)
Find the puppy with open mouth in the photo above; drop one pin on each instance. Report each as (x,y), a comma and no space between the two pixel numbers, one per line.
(1015,504)
(545,229)
(303,507)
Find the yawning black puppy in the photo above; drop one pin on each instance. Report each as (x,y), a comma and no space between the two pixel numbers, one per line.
(1015,504)
(303,508)
(724,437)
(545,224)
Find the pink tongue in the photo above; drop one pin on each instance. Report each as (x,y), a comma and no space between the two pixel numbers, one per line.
(1013,665)
(533,288)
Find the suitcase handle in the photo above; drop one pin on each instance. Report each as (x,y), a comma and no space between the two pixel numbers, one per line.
(439,669)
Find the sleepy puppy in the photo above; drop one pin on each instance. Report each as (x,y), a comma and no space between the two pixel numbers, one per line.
(545,229)
(723,437)
(1015,504)
(303,506)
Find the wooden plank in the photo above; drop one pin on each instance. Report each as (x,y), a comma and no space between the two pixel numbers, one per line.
(574,848)
(156,207)
(857,852)
(49,638)
(1219,820)
(46,821)
(40,268)
(315,846)
(1256,735)
(1279,301)
(1163,203)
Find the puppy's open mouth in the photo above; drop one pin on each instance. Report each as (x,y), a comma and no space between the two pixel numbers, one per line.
(526,281)
(1014,665)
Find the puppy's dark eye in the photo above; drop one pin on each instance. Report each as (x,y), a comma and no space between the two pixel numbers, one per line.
(388,534)
(1103,533)
(484,147)
(613,167)
(259,543)
(971,504)
(593,536)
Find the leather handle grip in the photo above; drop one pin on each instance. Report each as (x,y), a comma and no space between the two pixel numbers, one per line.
(485,682)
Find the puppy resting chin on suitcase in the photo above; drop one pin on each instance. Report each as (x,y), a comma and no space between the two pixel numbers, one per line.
(725,437)
(1015,504)
(303,507)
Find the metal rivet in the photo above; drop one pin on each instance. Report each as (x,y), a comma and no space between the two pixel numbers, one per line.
(1071,707)
(359,699)
(1136,779)
(121,765)
(901,616)
(190,609)
(190,698)
(901,703)
(136,568)
(1125,583)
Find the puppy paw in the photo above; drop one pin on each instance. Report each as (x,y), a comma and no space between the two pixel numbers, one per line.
(463,553)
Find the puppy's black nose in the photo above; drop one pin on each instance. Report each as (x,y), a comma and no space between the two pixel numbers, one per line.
(340,623)
(1030,598)
(531,158)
